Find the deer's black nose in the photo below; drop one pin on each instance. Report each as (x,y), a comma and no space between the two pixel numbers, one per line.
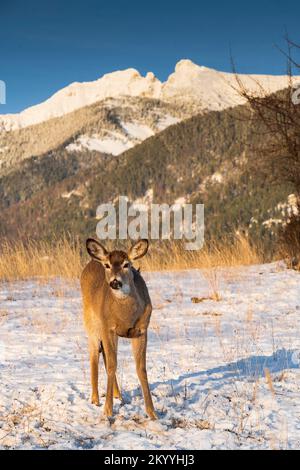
(115,284)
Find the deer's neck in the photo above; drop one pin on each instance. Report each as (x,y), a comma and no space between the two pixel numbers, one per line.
(127,309)
(131,300)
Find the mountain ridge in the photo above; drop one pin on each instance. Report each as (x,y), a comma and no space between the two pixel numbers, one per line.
(202,159)
(109,126)
(199,86)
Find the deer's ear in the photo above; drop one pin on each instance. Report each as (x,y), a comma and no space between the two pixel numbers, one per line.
(96,250)
(138,250)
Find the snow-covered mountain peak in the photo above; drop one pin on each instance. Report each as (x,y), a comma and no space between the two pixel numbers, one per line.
(187,66)
(127,82)
(198,87)
(208,89)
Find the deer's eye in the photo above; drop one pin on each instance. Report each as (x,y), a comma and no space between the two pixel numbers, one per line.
(107,266)
(126,265)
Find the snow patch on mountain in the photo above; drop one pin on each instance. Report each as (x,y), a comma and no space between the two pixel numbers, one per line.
(167,121)
(115,143)
(110,145)
(137,131)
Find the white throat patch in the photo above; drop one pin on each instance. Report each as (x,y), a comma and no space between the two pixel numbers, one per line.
(123,292)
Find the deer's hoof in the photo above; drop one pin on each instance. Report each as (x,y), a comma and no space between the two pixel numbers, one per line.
(108,412)
(95,401)
(152,415)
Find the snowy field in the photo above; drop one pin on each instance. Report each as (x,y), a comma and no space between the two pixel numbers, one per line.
(224,373)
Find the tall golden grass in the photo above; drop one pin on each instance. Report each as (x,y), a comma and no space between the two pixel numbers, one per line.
(19,260)
(65,258)
(173,255)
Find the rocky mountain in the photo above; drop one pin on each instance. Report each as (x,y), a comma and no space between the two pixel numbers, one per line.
(110,127)
(190,84)
(181,140)
(120,110)
(202,159)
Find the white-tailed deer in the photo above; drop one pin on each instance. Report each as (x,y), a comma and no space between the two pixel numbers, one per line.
(116,303)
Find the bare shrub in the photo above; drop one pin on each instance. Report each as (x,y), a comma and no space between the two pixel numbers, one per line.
(276,118)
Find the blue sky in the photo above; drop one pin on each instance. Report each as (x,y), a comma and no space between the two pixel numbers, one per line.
(47,45)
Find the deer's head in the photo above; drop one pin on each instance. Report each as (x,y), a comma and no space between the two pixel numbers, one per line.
(117,264)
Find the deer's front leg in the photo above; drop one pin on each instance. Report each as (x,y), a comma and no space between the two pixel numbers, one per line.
(117,393)
(110,350)
(94,365)
(139,346)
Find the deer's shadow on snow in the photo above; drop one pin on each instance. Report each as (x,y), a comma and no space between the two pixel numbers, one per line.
(247,369)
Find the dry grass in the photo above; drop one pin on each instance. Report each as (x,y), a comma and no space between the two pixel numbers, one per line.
(173,256)
(40,259)
(66,258)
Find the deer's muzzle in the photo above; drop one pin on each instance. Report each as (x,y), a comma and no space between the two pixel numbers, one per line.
(115,284)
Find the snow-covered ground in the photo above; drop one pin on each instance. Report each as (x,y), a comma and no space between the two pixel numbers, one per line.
(223,374)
